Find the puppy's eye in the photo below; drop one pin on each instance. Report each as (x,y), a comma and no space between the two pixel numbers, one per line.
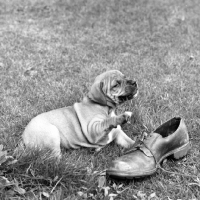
(117,84)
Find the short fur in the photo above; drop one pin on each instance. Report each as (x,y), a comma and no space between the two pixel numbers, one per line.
(90,123)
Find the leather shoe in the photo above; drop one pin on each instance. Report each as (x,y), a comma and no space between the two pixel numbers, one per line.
(144,157)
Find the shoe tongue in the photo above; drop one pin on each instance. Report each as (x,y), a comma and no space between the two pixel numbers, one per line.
(148,142)
(155,135)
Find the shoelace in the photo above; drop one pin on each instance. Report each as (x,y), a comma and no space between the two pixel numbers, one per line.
(138,143)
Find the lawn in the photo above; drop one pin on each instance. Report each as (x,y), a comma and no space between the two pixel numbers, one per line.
(50,53)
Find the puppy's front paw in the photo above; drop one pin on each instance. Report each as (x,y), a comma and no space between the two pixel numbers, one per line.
(128,116)
(128,113)
(124,118)
(121,119)
(119,127)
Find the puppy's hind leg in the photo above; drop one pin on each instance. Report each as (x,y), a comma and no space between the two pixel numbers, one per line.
(54,141)
(45,136)
(117,135)
(111,136)
(122,139)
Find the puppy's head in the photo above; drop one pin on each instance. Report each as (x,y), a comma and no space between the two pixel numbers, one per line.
(112,88)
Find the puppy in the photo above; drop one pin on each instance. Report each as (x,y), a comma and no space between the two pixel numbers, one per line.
(90,123)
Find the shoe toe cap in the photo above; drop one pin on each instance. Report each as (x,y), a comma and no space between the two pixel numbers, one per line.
(132,165)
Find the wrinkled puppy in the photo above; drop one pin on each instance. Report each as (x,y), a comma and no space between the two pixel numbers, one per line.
(90,123)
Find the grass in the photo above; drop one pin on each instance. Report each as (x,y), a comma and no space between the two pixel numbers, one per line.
(50,52)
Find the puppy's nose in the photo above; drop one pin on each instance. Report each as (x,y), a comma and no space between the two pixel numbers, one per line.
(134,83)
(131,82)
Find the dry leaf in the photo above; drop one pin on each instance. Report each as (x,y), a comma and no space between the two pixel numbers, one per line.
(89,170)
(114,186)
(153,196)
(101,181)
(91,195)
(3,154)
(12,162)
(135,197)
(85,195)
(30,72)
(141,195)
(57,195)
(106,191)
(19,190)
(112,195)
(82,194)
(84,188)
(55,179)
(4,182)
(10,193)
(32,172)
(30,195)
(169,198)
(45,194)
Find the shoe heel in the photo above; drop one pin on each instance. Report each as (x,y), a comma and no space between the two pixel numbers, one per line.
(181,152)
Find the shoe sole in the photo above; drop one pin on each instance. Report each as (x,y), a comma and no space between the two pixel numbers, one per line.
(176,154)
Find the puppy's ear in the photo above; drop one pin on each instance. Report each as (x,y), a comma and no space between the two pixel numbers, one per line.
(101,85)
(96,93)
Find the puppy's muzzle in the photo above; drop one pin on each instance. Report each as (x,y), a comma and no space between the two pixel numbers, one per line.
(130,91)
(131,87)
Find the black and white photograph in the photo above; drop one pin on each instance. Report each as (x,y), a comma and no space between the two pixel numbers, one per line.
(99,100)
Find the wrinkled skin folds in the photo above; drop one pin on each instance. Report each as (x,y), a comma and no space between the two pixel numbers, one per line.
(90,123)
